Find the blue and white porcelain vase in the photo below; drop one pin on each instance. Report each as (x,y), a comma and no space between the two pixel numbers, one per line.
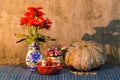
(33,55)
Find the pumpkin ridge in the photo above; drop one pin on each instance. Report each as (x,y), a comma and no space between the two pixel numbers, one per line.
(94,55)
(90,57)
(100,53)
(76,60)
(68,59)
(98,59)
(79,60)
(83,63)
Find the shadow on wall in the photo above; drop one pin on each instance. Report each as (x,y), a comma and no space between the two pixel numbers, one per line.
(109,37)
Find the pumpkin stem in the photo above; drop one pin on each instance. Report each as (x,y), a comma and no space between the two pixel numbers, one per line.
(83,46)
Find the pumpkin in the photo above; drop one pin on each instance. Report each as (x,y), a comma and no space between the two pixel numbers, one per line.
(85,56)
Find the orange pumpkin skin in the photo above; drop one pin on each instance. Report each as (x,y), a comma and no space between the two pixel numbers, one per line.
(85,56)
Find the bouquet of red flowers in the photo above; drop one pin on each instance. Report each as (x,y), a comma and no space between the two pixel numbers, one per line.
(35,22)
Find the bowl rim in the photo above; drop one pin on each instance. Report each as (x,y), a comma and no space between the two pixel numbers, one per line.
(50,66)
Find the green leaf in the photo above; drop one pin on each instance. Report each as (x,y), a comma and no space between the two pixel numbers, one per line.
(50,39)
(30,40)
(21,35)
(35,32)
(47,38)
(30,31)
(41,39)
(21,40)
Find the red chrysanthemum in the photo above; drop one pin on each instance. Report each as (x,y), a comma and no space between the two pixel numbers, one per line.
(34,17)
(24,20)
(47,24)
(39,13)
(29,14)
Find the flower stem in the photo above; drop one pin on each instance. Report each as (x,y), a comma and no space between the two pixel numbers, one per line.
(35,32)
(30,31)
(41,30)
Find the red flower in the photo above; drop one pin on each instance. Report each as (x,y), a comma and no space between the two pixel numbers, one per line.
(47,24)
(38,8)
(28,21)
(39,22)
(48,27)
(39,13)
(42,18)
(32,9)
(31,22)
(48,21)
(29,14)
(34,17)
(24,20)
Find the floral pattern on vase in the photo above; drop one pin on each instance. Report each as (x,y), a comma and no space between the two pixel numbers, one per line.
(33,55)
